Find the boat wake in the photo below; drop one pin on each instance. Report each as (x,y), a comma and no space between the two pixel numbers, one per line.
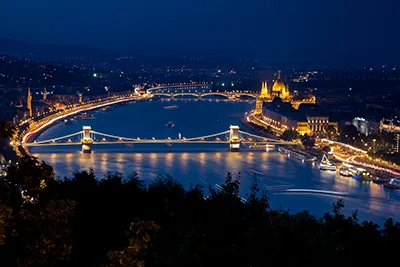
(256,172)
(315,191)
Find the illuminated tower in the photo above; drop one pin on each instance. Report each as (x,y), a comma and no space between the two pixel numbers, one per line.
(264,90)
(29,102)
(259,106)
(44,94)
(80,97)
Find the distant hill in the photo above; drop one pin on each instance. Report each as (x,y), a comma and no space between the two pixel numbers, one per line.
(53,51)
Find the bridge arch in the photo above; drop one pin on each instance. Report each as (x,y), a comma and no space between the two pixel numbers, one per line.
(186,94)
(162,94)
(214,94)
(247,94)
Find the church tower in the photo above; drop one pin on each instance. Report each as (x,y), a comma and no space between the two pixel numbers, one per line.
(80,98)
(44,94)
(264,90)
(29,102)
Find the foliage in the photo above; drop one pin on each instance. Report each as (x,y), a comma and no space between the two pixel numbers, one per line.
(7,130)
(28,176)
(82,221)
(33,232)
(348,132)
(331,132)
(139,238)
(290,135)
(307,141)
(326,149)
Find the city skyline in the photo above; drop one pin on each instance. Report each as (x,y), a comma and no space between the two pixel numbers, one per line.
(337,32)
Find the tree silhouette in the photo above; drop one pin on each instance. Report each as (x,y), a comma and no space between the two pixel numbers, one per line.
(82,221)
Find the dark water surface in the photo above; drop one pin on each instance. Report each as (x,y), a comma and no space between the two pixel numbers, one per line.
(208,165)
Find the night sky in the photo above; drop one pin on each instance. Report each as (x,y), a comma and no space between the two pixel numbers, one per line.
(362,31)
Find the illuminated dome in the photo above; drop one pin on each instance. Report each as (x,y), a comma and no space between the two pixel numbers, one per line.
(280,87)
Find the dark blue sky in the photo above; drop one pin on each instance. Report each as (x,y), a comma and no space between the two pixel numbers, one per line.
(362,31)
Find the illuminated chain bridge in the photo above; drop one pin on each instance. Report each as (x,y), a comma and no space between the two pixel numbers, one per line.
(233,137)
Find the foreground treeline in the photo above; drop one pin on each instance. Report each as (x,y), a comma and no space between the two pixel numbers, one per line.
(85,221)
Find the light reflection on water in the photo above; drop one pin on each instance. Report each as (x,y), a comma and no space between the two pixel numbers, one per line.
(273,170)
(209,165)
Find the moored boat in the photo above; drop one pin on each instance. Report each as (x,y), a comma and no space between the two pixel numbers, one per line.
(86,116)
(170,124)
(296,154)
(362,175)
(344,171)
(69,121)
(326,165)
(378,180)
(393,184)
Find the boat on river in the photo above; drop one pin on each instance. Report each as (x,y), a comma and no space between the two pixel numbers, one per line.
(296,154)
(393,184)
(326,165)
(170,107)
(86,116)
(378,180)
(362,175)
(170,124)
(345,171)
(69,121)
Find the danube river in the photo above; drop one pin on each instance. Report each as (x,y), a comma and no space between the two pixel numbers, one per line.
(208,165)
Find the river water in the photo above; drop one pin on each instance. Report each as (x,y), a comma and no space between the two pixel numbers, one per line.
(208,165)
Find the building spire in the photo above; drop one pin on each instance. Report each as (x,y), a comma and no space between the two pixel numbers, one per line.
(29,102)
(279,74)
(44,94)
(264,90)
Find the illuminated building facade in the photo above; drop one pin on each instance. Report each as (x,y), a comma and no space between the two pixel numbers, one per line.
(317,125)
(366,126)
(392,126)
(309,119)
(297,101)
(310,125)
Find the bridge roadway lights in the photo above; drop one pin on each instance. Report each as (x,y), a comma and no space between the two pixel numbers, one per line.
(87,141)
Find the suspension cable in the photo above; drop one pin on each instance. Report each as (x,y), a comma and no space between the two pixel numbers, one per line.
(58,138)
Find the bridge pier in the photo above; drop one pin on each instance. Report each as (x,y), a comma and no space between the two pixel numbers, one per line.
(87,141)
(234,140)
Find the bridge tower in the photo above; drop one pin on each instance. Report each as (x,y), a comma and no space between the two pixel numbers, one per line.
(234,140)
(87,141)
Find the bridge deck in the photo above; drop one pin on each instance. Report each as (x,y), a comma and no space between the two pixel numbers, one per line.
(155,142)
